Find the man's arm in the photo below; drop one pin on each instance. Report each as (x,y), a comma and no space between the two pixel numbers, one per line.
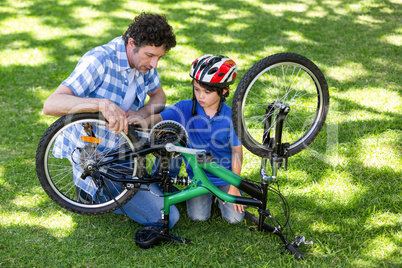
(63,101)
(155,104)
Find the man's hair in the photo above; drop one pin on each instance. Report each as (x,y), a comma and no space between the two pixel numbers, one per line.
(150,30)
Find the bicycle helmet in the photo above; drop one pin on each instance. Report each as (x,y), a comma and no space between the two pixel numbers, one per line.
(216,71)
(219,71)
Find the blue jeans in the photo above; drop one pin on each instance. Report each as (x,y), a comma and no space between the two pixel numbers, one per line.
(174,166)
(199,208)
(145,207)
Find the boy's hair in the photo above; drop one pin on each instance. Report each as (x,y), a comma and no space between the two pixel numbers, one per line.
(150,30)
(219,90)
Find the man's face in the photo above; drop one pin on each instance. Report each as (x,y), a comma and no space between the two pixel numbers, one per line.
(144,58)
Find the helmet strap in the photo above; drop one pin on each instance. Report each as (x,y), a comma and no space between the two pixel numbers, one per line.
(193,111)
(222,100)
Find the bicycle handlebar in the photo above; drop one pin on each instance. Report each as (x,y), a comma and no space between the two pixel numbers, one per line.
(295,251)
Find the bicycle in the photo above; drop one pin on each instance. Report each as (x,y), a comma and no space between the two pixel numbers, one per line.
(285,94)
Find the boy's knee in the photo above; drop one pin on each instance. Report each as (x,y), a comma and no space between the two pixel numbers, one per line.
(235,220)
(197,217)
(229,214)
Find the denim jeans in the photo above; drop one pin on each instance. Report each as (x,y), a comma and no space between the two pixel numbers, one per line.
(199,208)
(145,207)
(174,166)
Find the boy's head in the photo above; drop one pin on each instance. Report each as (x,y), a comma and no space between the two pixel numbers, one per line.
(223,92)
(215,74)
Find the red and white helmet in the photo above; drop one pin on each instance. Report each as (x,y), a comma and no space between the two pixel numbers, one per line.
(218,71)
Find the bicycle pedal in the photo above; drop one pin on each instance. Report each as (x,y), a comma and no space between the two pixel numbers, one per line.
(151,236)
(133,186)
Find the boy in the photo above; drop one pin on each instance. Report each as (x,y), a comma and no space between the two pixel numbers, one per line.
(208,122)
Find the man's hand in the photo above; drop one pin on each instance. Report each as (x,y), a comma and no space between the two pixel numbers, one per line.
(116,117)
(134,117)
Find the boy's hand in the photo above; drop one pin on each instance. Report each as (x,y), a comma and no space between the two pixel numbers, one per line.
(234,191)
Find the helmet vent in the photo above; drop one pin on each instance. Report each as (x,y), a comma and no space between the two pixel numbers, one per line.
(213,70)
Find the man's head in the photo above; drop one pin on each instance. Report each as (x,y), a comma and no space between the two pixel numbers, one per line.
(150,30)
(147,40)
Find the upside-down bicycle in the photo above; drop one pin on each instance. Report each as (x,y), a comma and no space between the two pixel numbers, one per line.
(283,97)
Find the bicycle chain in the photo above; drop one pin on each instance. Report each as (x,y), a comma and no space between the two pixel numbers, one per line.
(142,129)
(145,129)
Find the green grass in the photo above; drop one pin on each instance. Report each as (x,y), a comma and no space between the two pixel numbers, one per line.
(345,191)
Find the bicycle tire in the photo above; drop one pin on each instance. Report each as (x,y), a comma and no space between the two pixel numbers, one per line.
(56,173)
(284,78)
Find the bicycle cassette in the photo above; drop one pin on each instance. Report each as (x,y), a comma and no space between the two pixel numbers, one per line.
(89,156)
(168,132)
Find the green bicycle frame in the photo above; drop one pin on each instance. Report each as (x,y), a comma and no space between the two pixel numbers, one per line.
(201,185)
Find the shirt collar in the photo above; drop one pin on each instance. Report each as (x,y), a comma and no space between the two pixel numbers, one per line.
(122,60)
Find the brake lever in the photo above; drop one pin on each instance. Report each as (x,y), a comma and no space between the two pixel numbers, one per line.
(301,239)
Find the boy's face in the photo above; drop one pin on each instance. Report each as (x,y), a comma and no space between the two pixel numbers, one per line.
(207,99)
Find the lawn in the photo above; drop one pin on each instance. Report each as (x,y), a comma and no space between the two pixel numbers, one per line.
(345,191)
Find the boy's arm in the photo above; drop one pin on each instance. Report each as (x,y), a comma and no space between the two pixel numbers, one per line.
(153,119)
(237,161)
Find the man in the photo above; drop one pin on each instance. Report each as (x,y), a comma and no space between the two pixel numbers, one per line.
(115,79)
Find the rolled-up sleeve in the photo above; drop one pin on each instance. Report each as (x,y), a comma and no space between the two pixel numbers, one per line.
(87,75)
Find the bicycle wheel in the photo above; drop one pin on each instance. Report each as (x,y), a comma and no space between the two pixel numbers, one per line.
(70,148)
(284,78)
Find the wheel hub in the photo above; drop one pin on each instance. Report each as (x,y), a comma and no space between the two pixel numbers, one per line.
(89,158)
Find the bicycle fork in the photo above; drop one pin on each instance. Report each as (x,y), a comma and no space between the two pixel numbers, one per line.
(276,159)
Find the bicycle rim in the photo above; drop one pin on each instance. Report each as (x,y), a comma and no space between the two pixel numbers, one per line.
(60,170)
(288,83)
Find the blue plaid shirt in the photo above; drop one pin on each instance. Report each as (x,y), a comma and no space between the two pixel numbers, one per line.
(101,73)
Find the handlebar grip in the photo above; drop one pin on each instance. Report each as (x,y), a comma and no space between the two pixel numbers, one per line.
(294,250)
